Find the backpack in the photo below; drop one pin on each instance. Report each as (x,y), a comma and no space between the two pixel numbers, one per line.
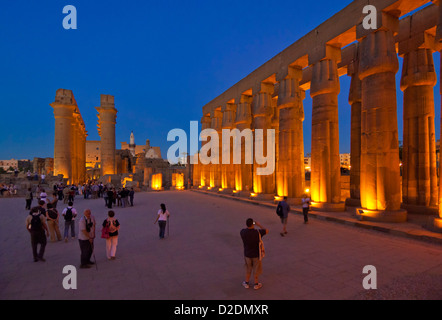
(36,223)
(68,216)
(279,210)
(52,214)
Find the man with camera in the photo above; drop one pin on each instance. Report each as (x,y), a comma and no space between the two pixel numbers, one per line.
(251,239)
(86,238)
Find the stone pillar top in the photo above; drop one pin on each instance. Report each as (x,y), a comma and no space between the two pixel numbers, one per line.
(64,97)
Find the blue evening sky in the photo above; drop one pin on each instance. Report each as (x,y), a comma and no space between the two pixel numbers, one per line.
(162,60)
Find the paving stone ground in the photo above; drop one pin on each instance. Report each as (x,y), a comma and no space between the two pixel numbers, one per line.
(202,259)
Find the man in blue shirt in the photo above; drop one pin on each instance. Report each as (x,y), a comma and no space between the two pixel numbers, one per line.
(285,213)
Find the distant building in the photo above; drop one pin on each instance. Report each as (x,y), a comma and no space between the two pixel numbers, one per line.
(345,160)
(6,164)
(93,154)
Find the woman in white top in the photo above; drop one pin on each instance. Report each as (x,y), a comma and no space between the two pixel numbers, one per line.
(163,216)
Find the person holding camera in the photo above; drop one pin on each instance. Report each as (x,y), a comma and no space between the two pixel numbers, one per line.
(251,239)
(86,238)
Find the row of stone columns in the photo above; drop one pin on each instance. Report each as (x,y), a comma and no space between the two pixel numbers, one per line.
(70,138)
(375,178)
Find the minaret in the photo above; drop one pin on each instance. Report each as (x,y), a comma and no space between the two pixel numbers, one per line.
(132,144)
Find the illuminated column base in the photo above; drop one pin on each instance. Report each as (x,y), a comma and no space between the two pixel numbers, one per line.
(381,215)
(327,206)
(437,224)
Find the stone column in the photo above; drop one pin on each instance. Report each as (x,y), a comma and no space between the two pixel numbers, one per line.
(419,177)
(82,151)
(205,173)
(243,171)
(74,148)
(354,99)
(215,169)
(263,110)
(290,180)
(107,115)
(438,45)
(326,172)
(380,176)
(227,170)
(64,106)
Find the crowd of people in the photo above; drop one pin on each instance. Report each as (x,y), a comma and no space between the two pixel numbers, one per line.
(43,221)
(8,190)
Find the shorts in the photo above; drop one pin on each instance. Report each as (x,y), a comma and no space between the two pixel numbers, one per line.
(283,220)
(253,265)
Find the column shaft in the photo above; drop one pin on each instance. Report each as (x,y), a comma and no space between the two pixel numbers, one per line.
(326,173)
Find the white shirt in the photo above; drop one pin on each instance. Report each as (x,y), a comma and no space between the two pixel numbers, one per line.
(163,216)
(74,212)
(43,196)
(305,202)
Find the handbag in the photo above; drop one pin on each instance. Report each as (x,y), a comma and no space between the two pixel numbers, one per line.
(262,251)
(105,231)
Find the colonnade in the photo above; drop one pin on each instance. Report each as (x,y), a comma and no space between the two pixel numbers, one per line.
(70,138)
(272,97)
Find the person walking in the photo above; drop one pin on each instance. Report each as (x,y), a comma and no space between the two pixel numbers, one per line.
(86,236)
(251,241)
(131,196)
(43,196)
(69,215)
(284,209)
(162,217)
(110,198)
(29,198)
(37,228)
(305,207)
(111,242)
(52,217)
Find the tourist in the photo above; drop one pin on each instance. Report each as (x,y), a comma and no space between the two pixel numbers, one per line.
(54,200)
(72,192)
(66,195)
(86,236)
(36,225)
(284,215)
(131,196)
(43,178)
(105,196)
(41,207)
(28,175)
(110,198)
(163,216)
(124,195)
(29,197)
(43,195)
(52,219)
(119,197)
(112,241)
(305,207)
(69,215)
(253,264)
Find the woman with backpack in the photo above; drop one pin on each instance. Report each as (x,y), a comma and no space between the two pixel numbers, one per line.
(111,225)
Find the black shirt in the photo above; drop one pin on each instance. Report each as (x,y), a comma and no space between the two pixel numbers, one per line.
(250,240)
